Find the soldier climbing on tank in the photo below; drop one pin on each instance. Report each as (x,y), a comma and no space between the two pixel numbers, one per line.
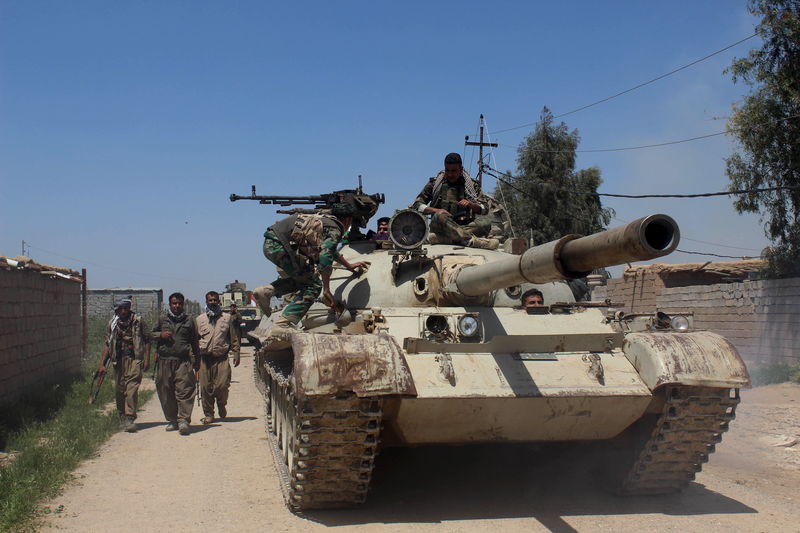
(454,201)
(304,247)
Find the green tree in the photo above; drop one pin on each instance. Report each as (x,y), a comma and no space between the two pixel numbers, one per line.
(548,198)
(766,125)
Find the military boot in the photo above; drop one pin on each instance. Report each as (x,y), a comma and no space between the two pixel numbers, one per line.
(486,244)
(129,425)
(280,334)
(263,296)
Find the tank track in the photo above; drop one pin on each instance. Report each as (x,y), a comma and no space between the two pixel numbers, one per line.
(324,448)
(685,434)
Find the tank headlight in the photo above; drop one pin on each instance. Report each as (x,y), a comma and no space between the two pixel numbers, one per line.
(436,324)
(468,326)
(681,323)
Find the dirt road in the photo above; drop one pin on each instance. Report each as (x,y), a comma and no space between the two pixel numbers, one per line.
(221,478)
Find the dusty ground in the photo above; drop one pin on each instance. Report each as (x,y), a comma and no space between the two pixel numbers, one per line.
(221,478)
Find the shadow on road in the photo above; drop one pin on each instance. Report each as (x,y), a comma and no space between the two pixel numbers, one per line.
(546,482)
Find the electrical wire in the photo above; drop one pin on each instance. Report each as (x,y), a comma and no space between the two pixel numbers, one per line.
(525,193)
(714,255)
(490,171)
(606,99)
(656,145)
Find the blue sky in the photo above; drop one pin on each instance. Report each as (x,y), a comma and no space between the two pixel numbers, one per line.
(125,126)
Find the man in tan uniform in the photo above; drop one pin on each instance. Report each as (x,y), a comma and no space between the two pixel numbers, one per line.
(176,334)
(218,334)
(128,349)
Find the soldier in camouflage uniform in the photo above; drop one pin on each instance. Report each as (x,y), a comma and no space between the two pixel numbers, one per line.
(304,276)
(453,200)
(127,347)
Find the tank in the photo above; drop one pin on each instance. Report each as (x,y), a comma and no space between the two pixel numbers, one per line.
(236,293)
(433,347)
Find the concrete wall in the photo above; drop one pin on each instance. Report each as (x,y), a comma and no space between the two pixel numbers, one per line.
(101,301)
(761,318)
(40,331)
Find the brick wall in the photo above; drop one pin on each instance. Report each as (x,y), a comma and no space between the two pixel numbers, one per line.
(101,301)
(40,331)
(761,318)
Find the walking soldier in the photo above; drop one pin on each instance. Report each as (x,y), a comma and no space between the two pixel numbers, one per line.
(218,333)
(128,349)
(176,334)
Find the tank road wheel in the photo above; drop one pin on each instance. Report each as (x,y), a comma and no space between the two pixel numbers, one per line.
(324,448)
(671,448)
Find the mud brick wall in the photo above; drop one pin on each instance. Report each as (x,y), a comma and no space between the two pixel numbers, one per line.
(40,331)
(638,292)
(761,318)
(101,301)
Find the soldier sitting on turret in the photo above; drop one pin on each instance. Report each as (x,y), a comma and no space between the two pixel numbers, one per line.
(453,199)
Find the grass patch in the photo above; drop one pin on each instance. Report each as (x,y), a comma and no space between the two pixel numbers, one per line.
(775,373)
(51,433)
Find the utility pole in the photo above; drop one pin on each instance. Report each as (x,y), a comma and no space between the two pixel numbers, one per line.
(480,144)
(23,248)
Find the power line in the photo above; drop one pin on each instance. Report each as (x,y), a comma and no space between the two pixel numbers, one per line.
(84,262)
(526,193)
(641,196)
(656,145)
(606,99)
(714,255)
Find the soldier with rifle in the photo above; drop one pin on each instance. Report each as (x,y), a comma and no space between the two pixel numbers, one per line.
(127,347)
(457,207)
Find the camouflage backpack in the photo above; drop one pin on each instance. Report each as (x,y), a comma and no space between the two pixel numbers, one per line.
(307,234)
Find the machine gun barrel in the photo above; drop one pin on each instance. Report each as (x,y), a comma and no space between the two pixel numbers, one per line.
(317,200)
(574,256)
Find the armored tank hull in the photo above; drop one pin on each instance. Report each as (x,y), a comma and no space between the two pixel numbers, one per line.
(435,349)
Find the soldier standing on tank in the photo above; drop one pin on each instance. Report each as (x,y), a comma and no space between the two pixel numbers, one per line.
(176,334)
(304,272)
(128,349)
(452,198)
(218,334)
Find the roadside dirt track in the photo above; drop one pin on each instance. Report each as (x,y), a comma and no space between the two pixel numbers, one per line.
(221,478)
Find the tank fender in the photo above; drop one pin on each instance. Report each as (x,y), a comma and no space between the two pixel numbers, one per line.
(367,365)
(698,358)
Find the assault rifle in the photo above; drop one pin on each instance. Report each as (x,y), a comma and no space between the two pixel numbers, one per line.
(97,380)
(366,204)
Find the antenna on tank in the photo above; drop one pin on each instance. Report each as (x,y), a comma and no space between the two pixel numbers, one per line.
(360,187)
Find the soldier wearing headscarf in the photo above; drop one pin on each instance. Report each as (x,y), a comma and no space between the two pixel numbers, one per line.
(127,348)
(218,334)
(455,203)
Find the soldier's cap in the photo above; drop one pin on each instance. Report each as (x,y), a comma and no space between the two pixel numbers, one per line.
(343,210)
(452,159)
(122,302)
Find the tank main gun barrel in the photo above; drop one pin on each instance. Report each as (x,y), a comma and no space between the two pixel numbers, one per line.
(574,256)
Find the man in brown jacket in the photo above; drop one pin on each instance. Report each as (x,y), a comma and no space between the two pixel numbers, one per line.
(128,349)
(218,334)
(176,334)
